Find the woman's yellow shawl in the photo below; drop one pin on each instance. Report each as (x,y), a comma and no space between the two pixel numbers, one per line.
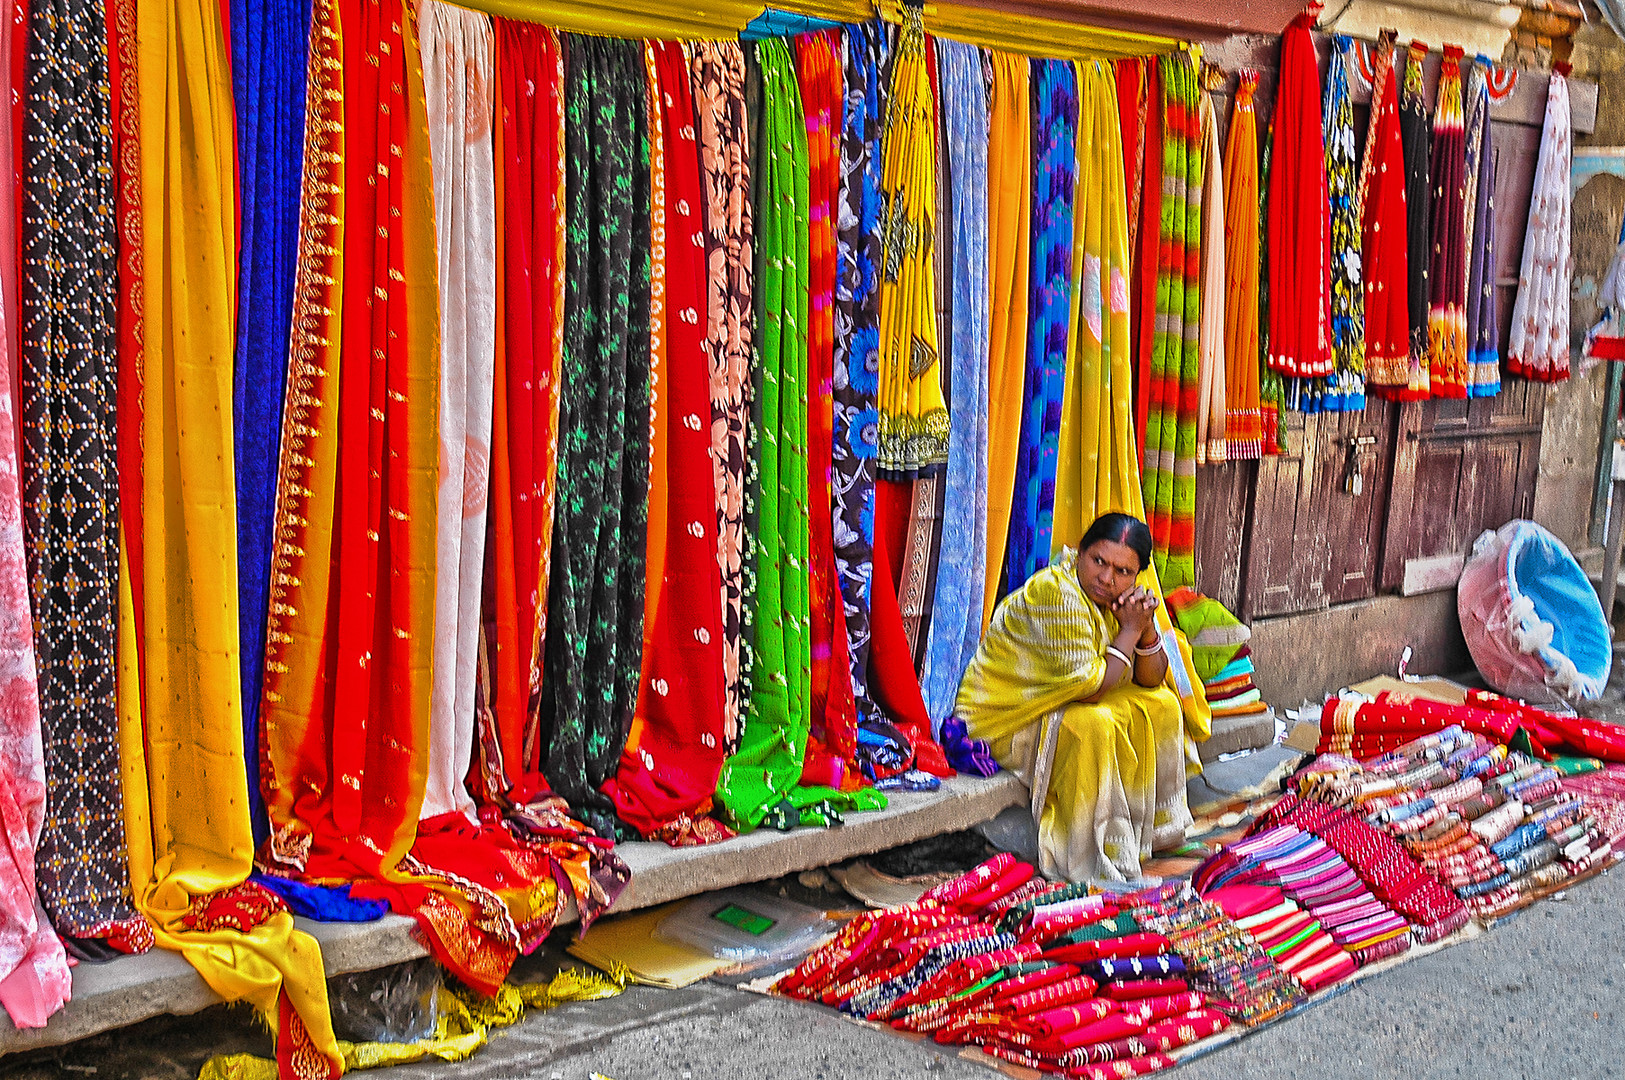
(1046,648)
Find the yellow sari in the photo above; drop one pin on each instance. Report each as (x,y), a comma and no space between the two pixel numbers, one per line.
(1107,778)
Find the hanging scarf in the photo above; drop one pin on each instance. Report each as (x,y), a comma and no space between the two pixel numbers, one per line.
(718,72)
(1414,132)
(913,413)
(1539,345)
(1447,274)
(268,82)
(1344,390)
(1169,481)
(1145,97)
(1478,213)
(1271,384)
(70,477)
(674,751)
(186,820)
(1244,424)
(1211,447)
(1009,212)
(1055,117)
(595,603)
(956,620)
(760,781)
(457,57)
(1300,257)
(832,739)
(1386,262)
(34,979)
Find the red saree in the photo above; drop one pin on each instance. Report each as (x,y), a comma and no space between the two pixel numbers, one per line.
(1386,255)
(1300,338)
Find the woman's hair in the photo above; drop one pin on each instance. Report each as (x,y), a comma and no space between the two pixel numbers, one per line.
(1120,529)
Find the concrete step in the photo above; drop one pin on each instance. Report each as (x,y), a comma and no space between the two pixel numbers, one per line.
(135,988)
(1234,734)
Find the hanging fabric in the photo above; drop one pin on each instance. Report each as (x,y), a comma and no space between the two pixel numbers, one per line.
(760,782)
(181,743)
(1416,135)
(913,414)
(856,355)
(833,722)
(269,42)
(1147,228)
(1211,446)
(1539,345)
(718,76)
(956,620)
(1483,322)
(457,59)
(1009,214)
(1271,384)
(1384,220)
(1244,423)
(1447,273)
(1344,389)
(34,979)
(1055,118)
(69,469)
(1097,470)
(674,751)
(595,605)
(1299,256)
(1169,467)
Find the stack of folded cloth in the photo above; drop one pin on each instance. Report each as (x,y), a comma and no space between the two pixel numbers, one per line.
(1357,728)
(1219,652)
(1315,875)
(1290,936)
(1041,974)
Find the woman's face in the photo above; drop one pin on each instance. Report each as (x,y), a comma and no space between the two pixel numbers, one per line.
(1106,570)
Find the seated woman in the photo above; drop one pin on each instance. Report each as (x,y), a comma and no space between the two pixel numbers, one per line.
(1068,688)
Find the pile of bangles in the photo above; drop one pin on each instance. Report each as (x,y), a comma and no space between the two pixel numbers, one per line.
(1049,975)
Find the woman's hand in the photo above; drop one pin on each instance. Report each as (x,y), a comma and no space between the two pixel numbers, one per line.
(1136,610)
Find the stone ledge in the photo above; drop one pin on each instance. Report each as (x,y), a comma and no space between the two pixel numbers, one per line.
(131,989)
(1232,734)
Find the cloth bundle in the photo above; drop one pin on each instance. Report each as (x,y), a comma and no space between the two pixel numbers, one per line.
(1220,653)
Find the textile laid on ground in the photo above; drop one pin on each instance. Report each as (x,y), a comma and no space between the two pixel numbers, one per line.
(718,73)
(1447,273)
(913,414)
(1009,210)
(269,45)
(1539,345)
(595,602)
(457,55)
(1211,412)
(186,818)
(1055,119)
(956,621)
(1170,428)
(674,750)
(1483,322)
(1416,135)
(1244,425)
(1300,339)
(1384,219)
(1107,778)
(69,471)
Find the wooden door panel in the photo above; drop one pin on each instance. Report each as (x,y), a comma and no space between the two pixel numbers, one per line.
(1224,511)
(1355,522)
(1283,485)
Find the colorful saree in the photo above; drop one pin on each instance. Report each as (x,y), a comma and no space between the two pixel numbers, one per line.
(1386,263)
(1009,212)
(1416,137)
(186,801)
(595,605)
(913,413)
(1539,345)
(956,619)
(674,751)
(269,42)
(1107,778)
(1300,340)
(1244,431)
(1169,467)
(1344,389)
(1211,413)
(69,470)
(457,59)
(1483,322)
(1055,119)
(1447,274)
(718,74)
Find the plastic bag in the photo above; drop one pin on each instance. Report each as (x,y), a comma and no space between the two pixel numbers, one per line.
(745,925)
(392,1005)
